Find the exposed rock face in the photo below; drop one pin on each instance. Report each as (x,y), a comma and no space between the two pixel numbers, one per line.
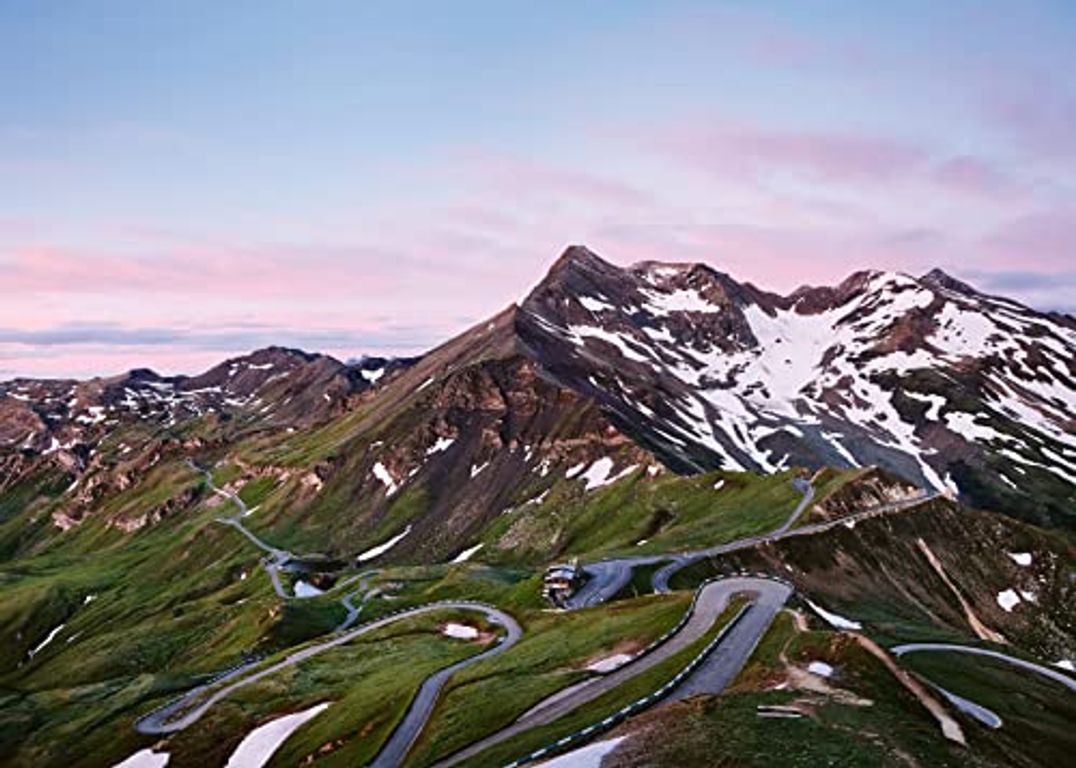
(873,488)
(453,443)
(105,433)
(926,377)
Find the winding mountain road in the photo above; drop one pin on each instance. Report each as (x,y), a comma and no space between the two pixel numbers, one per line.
(277,558)
(661,578)
(398,745)
(182,712)
(730,655)
(784,531)
(363,589)
(1066,680)
(724,663)
(606,579)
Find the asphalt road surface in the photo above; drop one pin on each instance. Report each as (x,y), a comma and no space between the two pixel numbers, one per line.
(661,577)
(398,745)
(1054,674)
(725,662)
(713,598)
(180,713)
(785,531)
(607,577)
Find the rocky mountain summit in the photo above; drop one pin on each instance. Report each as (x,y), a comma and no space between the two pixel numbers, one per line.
(941,384)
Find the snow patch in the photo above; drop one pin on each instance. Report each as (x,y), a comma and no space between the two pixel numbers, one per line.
(48,639)
(820,668)
(934,401)
(442,444)
(144,758)
(594,305)
(597,475)
(609,663)
(833,619)
(1008,599)
(1021,558)
(680,300)
(382,474)
(381,549)
(372,375)
(659,334)
(306,589)
(578,333)
(537,499)
(459,631)
(965,425)
(260,744)
(466,554)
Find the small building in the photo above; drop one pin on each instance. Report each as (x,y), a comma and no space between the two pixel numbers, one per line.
(560,582)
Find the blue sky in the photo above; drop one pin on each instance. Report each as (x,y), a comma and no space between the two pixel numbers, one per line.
(185,180)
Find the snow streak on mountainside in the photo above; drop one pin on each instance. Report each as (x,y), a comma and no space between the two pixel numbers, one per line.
(954,389)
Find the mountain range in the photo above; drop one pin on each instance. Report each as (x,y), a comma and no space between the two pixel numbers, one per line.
(674,366)
(853,470)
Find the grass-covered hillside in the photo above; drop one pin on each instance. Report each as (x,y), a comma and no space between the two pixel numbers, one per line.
(936,571)
(814,696)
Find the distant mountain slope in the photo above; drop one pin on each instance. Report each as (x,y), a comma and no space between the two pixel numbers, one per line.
(948,387)
(273,385)
(99,437)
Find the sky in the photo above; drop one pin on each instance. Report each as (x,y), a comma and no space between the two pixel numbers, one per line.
(182,182)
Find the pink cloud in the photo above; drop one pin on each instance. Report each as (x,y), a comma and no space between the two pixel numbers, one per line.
(1046,239)
(778,257)
(1042,121)
(755,152)
(973,175)
(197,269)
(85,363)
(784,49)
(523,179)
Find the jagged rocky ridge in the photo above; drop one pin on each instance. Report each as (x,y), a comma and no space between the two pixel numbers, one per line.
(273,386)
(951,388)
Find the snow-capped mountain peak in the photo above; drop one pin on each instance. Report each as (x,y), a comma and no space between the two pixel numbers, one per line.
(954,389)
